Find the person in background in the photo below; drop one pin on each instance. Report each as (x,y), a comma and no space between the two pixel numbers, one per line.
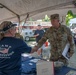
(11,49)
(58,36)
(38,33)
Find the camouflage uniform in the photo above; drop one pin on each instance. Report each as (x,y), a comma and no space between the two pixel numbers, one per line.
(58,38)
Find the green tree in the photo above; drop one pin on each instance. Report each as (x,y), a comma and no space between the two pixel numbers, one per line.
(69,16)
(46,19)
(30,19)
(74,15)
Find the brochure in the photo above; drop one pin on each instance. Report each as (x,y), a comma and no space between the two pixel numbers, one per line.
(65,51)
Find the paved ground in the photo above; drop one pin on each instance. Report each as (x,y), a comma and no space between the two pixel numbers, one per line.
(72,61)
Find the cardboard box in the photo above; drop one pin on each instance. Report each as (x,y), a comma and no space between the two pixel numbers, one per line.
(45,67)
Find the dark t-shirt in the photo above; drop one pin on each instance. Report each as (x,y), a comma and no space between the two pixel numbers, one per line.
(41,33)
(10,53)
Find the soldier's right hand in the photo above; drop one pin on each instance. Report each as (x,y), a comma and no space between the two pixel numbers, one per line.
(34,49)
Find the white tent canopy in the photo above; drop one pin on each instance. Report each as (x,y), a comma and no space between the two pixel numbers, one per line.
(18,10)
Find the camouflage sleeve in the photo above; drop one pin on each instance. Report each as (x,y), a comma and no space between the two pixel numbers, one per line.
(43,39)
(71,42)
